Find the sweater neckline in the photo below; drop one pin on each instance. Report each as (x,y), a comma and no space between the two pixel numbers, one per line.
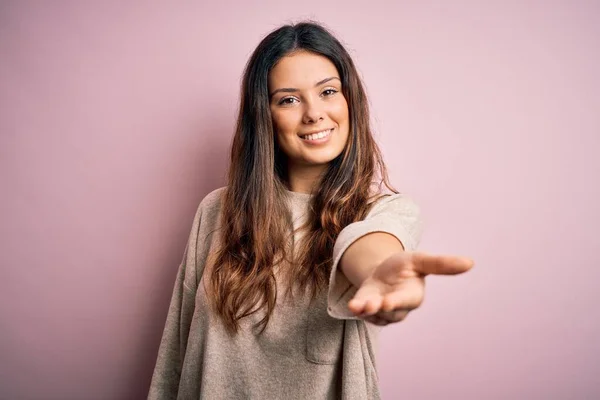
(299,195)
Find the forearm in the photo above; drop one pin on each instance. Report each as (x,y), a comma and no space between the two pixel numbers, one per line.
(363,256)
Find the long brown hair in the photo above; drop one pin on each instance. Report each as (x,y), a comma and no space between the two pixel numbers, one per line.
(256,223)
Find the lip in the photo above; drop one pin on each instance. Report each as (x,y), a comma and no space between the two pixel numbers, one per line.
(318,141)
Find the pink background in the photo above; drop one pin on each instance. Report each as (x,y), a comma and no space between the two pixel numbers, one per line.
(115,121)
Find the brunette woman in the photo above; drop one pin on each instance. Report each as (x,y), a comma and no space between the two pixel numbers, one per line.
(293,267)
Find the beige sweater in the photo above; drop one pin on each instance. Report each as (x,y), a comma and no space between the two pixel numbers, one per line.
(318,351)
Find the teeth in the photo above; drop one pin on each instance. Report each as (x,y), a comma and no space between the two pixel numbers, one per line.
(318,135)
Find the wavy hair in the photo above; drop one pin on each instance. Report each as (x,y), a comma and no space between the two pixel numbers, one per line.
(256,234)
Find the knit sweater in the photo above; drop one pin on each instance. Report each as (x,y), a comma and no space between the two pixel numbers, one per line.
(317,350)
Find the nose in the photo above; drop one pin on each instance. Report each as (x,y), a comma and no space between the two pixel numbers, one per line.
(313,112)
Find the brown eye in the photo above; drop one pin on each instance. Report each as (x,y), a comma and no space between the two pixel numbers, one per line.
(329,92)
(287,100)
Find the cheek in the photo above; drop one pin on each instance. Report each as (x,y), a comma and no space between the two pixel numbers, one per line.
(341,115)
(339,112)
(285,122)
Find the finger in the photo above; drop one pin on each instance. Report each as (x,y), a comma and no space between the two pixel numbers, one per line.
(366,299)
(358,302)
(440,264)
(374,319)
(365,307)
(372,306)
(393,316)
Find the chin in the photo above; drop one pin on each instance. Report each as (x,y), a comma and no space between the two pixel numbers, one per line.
(326,159)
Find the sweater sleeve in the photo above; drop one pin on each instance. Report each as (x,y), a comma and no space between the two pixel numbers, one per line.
(171,353)
(395,214)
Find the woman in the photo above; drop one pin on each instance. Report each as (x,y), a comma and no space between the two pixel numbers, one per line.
(291,269)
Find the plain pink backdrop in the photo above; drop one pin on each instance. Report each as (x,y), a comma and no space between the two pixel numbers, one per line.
(115,121)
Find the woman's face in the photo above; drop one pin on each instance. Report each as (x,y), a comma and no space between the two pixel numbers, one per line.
(310,113)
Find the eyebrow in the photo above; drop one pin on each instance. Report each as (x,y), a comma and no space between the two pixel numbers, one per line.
(293,90)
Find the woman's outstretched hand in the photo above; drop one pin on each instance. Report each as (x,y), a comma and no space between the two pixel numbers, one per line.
(397,285)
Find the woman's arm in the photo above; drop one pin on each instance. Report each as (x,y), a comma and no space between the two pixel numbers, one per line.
(365,254)
(391,282)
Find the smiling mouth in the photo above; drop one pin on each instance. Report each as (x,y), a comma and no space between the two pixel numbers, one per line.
(318,135)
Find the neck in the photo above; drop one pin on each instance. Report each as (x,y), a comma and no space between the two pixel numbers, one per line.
(302,179)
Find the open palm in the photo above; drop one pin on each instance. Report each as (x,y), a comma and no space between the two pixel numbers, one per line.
(397,285)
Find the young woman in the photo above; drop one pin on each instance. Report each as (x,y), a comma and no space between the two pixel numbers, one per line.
(293,267)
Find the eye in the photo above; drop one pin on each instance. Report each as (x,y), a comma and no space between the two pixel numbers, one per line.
(329,92)
(287,100)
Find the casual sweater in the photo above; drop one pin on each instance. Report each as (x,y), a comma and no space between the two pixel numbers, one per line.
(317,350)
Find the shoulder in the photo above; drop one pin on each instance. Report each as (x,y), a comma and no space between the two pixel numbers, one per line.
(397,203)
(398,214)
(212,201)
(209,208)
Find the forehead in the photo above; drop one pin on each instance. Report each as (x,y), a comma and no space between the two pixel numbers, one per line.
(301,70)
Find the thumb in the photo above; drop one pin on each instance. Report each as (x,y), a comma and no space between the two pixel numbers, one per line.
(440,264)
